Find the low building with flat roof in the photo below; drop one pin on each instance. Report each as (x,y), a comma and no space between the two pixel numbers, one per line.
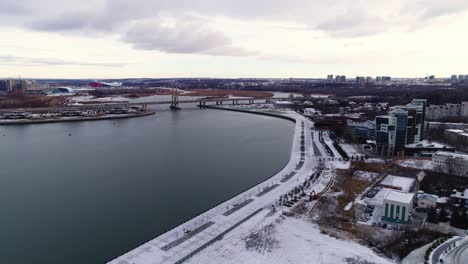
(398,207)
(452,163)
(399,183)
(457,138)
(426,148)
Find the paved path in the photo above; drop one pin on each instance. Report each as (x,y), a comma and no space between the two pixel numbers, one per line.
(459,255)
(436,255)
(182,242)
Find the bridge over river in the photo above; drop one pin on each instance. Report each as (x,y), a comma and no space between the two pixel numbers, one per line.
(174,103)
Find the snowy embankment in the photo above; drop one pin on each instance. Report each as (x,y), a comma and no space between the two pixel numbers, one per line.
(273,238)
(327,140)
(350,150)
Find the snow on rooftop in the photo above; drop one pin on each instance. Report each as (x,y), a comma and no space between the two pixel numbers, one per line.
(402,183)
(451,155)
(427,144)
(430,197)
(460,195)
(401,197)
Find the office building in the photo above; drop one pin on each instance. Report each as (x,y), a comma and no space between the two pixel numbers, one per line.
(362,130)
(398,207)
(403,125)
(385,135)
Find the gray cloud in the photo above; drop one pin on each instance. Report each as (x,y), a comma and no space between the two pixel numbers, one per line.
(186,36)
(8,60)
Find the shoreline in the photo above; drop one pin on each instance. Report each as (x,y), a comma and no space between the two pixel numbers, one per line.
(75,119)
(219,223)
(251,112)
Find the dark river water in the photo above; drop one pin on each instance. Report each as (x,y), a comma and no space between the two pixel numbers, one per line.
(113,185)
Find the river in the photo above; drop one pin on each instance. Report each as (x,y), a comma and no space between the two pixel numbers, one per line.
(87,192)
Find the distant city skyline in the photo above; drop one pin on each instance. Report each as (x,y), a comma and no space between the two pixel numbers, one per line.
(100,39)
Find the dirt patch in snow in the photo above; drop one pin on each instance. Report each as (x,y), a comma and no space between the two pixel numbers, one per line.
(263,241)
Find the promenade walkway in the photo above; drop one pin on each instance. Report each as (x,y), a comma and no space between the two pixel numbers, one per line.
(182,242)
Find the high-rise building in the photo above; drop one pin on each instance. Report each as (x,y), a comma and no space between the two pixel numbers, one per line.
(378,79)
(21,87)
(3,86)
(385,135)
(403,125)
(360,81)
(10,84)
(454,78)
(330,78)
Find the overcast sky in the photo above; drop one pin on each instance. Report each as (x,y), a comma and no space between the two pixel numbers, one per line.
(238,38)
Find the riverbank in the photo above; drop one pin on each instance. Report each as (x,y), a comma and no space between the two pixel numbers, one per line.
(76,119)
(185,240)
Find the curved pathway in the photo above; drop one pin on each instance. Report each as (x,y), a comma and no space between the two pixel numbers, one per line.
(182,242)
(459,255)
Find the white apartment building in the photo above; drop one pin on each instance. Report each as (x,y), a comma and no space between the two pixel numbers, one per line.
(464,109)
(452,163)
(437,112)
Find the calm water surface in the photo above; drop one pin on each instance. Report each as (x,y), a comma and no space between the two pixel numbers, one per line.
(113,185)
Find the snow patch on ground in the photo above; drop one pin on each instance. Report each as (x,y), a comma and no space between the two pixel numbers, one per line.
(349,206)
(366,175)
(375,160)
(277,239)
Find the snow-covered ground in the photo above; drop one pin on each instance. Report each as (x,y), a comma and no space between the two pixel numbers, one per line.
(276,239)
(350,150)
(327,140)
(417,164)
(375,160)
(366,176)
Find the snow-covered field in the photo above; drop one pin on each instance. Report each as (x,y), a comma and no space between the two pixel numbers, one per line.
(276,239)
(366,176)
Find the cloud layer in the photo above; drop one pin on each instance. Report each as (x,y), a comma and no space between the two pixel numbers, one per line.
(144,23)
